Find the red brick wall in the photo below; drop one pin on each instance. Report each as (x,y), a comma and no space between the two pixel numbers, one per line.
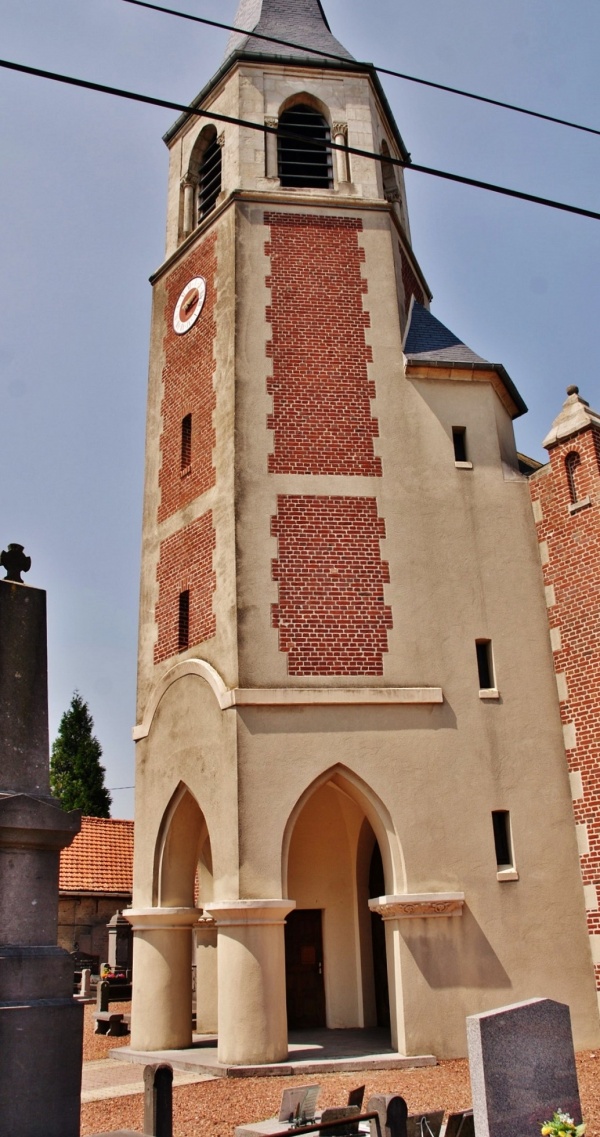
(188,387)
(186,562)
(331,614)
(574,572)
(321,418)
(410,281)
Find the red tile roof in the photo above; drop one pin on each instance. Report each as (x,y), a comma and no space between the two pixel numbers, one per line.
(100,859)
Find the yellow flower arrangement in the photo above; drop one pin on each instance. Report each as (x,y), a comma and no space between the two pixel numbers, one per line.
(562,1126)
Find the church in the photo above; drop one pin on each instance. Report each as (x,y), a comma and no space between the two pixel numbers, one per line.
(352,802)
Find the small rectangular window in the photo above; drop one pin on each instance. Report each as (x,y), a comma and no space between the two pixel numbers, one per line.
(186,442)
(183,636)
(502,841)
(485,665)
(459,438)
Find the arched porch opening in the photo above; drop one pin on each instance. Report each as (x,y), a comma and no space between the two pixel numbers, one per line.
(339,848)
(184,879)
(183,859)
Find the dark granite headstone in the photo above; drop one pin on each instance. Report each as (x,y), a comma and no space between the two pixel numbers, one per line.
(158,1100)
(522,1067)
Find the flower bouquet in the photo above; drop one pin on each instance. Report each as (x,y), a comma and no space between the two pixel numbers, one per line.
(562,1126)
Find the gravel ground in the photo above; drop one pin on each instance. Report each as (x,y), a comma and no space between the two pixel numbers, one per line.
(214,1108)
(96,1046)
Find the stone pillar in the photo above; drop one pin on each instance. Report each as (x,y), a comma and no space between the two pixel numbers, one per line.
(394,910)
(41,1025)
(340,137)
(271,160)
(162,977)
(189,203)
(251,976)
(206,976)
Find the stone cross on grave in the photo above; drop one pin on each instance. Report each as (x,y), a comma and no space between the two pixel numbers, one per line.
(15,562)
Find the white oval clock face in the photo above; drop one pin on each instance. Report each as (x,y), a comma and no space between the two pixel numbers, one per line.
(189,305)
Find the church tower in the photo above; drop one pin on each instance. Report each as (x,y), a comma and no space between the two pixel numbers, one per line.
(349,748)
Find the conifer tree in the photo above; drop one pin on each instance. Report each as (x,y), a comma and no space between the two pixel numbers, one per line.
(76,775)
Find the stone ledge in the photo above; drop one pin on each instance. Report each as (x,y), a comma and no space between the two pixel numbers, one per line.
(232,698)
(418,905)
(330,696)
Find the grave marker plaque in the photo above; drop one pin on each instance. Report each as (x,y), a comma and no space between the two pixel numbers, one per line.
(522,1067)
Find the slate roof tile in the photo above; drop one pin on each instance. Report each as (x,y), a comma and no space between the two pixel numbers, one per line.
(100,859)
(428,338)
(300,21)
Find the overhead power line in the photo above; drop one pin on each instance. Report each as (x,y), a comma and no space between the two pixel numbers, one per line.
(184,108)
(366,66)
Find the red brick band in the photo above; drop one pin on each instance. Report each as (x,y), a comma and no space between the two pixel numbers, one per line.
(573,570)
(321,390)
(186,564)
(188,388)
(331,614)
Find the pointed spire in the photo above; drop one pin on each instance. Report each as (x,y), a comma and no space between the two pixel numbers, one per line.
(298,21)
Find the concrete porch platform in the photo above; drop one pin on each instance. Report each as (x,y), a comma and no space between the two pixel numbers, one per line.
(310,1052)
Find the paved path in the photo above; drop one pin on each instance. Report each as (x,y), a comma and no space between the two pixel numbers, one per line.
(109,1079)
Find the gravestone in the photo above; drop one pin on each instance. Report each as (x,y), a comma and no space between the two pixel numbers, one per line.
(392,1110)
(41,1024)
(522,1067)
(120,939)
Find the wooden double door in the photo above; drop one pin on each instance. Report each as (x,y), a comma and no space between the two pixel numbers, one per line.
(305,984)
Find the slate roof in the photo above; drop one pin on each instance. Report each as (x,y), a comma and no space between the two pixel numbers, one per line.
(301,21)
(430,342)
(428,338)
(100,859)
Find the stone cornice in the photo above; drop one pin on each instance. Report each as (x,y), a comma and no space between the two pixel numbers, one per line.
(240,913)
(418,905)
(238,697)
(162,919)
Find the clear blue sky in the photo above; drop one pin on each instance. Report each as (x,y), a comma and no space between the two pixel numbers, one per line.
(82,212)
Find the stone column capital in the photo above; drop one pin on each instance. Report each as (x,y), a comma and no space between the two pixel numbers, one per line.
(418,905)
(236,913)
(162,919)
(340,128)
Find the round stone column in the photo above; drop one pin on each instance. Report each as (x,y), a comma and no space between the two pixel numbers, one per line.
(206,976)
(251,980)
(161,1012)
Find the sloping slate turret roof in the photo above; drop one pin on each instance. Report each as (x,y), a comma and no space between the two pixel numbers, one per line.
(428,338)
(100,859)
(300,21)
(430,344)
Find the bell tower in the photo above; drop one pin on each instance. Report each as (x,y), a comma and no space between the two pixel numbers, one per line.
(320,571)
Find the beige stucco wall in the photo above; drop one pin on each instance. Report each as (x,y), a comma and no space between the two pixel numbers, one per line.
(463,565)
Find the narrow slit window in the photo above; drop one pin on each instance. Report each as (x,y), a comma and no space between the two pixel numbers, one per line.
(210,179)
(572,462)
(184,620)
(485,665)
(305,160)
(502,841)
(186,442)
(459,438)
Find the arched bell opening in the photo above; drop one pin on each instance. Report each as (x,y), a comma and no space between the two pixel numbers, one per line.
(303,156)
(336,966)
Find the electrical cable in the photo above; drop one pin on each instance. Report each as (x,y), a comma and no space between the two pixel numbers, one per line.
(364,66)
(133,96)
